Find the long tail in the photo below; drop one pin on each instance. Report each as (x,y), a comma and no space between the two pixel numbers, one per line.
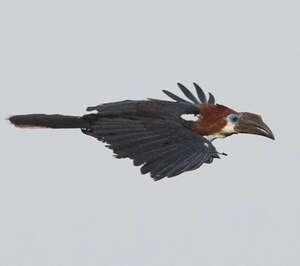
(48,121)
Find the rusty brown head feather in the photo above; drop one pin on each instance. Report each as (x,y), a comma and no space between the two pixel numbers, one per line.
(218,121)
(212,119)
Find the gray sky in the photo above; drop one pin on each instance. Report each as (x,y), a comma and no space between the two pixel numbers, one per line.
(65,200)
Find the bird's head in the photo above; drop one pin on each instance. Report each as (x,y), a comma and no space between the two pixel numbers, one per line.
(218,121)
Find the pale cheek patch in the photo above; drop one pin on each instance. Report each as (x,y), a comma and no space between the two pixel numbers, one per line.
(229,128)
(189,117)
(214,136)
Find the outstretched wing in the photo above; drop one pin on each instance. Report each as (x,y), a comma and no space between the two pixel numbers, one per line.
(153,135)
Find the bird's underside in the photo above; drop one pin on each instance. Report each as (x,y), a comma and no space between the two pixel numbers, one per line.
(152,135)
(150,132)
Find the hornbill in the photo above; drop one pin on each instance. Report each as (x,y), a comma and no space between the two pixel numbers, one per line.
(154,133)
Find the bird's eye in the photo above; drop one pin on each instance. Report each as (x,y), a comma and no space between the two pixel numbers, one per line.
(233,118)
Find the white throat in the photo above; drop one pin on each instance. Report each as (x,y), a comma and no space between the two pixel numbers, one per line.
(226,130)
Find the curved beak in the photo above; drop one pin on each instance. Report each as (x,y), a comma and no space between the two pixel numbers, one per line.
(253,124)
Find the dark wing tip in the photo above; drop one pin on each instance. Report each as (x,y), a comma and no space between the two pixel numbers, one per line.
(174,97)
(156,178)
(201,95)
(187,93)
(91,108)
(211,99)
(200,92)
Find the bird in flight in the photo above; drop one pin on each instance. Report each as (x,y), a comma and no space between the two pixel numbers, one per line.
(158,135)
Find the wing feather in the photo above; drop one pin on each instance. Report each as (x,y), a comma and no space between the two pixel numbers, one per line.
(164,148)
(201,94)
(174,97)
(211,99)
(153,135)
(187,93)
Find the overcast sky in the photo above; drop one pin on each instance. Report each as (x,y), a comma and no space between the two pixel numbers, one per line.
(64,200)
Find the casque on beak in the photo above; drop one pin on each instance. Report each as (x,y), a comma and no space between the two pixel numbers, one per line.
(253,124)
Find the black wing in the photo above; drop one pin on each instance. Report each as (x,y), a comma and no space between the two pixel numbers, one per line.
(153,135)
(197,102)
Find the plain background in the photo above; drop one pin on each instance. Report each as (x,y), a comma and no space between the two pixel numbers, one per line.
(64,200)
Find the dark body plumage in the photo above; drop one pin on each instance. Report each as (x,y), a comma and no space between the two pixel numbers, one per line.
(153,135)
(150,132)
